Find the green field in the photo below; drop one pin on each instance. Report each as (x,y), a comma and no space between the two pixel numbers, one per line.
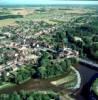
(52,16)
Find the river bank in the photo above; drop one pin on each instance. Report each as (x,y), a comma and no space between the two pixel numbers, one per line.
(35,84)
(6,85)
(78,84)
(86,74)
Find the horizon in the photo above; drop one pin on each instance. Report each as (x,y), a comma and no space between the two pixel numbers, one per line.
(46,2)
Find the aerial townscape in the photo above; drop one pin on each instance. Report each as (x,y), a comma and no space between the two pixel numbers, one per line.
(49,52)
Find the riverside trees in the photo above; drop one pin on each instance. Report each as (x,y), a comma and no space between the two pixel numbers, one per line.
(51,68)
(25,95)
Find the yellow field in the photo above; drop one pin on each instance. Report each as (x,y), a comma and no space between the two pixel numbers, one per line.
(7,22)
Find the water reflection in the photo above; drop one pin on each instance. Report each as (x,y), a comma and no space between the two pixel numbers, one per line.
(86,75)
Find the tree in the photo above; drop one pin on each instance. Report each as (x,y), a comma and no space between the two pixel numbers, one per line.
(14,96)
(45,97)
(3,76)
(42,71)
(95,38)
(43,61)
(79,44)
(74,61)
(18,78)
(87,41)
(4,97)
(23,94)
(30,98)
(68,63)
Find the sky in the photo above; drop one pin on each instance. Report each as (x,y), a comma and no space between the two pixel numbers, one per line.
(8,2)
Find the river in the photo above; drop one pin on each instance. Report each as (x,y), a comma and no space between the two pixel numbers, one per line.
(86,74)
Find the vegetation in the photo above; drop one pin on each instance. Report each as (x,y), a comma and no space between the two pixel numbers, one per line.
(94,87)
(6,54)
(69,78)
(34,46)
(10,16)
(87,47)
(50,68)
(94,50)
(25,95)
(22,75)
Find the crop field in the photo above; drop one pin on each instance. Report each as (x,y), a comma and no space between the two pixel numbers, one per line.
(51,16)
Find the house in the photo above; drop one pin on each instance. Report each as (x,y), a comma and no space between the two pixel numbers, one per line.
(78,39)
(8,34)
(68,53)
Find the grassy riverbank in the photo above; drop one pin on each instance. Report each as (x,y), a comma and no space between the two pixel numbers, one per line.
(70,78)
(25,80)
(9,84)
(6,85)
(94,87)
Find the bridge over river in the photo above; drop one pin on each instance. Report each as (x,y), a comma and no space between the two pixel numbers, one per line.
(88,63)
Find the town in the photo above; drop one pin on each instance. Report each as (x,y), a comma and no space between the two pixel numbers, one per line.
(43,49)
